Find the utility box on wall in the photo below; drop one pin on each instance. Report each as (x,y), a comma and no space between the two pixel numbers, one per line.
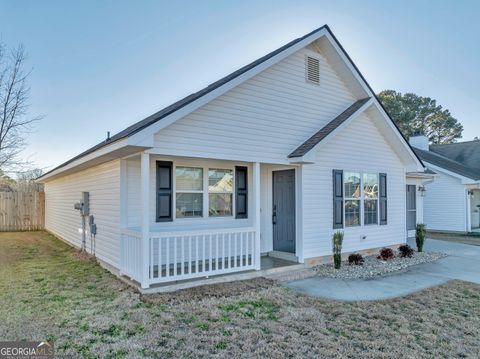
(86,203)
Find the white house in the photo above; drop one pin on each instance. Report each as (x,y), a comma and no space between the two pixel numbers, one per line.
(270,160)
(452,201)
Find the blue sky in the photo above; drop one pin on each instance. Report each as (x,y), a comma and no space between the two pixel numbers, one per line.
(100,66)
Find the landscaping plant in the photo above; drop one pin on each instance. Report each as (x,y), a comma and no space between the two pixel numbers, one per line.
(420,232)
(386,254)
(356,258)
(405,251)
(337,249)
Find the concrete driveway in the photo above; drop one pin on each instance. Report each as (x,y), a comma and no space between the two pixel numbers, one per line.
(463,262)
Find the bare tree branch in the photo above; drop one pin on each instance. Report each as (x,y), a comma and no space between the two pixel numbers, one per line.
(14,95)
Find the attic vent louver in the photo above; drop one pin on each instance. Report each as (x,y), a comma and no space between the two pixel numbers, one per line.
(312,69)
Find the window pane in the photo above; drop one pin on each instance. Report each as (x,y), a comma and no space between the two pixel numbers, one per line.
(371,208)
(189,179)
(352,184)
(189,205)
(220,204)
(220,180)
(370,185)
(352,213)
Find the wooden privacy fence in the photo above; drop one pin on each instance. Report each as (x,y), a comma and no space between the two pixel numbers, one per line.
(22,211)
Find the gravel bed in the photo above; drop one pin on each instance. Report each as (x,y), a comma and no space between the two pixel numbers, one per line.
(373,267)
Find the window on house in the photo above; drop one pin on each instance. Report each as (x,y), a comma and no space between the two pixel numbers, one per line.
(220,192)
(352,192)
(370,193)
(359,198)
(189,192)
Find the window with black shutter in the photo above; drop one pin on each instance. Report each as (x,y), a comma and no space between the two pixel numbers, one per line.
(164,191)
(337,199)
(383,198)
(241,192)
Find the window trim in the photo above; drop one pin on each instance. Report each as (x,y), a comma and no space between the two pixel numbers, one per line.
(361,199)
(221,192)
(205,166)
(176,191)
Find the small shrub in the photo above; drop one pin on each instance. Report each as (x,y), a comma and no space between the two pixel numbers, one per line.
(386,254)
(405,251)
(356,258)
(420,232)
(337,241)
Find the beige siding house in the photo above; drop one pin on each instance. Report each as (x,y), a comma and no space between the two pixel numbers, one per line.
(266,163)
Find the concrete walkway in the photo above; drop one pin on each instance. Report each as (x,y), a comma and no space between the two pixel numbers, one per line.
(463,262)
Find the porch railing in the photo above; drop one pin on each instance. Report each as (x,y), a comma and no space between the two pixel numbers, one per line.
(131,254)
(186,255)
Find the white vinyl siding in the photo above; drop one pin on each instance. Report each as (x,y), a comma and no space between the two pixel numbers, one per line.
(103,183)
(445,206)
(372,155)
(263,119)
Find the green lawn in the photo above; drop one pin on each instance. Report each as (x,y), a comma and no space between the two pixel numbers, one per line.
(47,292)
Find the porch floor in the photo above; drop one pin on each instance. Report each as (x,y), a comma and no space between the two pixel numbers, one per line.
(267,262)
(269,265)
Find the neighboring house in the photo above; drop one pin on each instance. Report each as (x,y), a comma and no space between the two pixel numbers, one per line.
(452,201)
(270,160)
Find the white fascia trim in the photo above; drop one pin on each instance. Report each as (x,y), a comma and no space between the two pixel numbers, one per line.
(463,179)
(349,65)
(145,134)
(100,152)
(397,132)
(309,157)
(364,85)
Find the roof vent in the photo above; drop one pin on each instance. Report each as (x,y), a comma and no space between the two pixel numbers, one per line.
(312,65)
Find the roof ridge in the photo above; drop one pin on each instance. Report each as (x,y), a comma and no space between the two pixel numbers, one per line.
(453,143)
(449,160)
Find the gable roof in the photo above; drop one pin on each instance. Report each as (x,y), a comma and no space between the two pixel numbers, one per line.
(327,129)
(466,153)
(136,127)
(143,124)
(448,164)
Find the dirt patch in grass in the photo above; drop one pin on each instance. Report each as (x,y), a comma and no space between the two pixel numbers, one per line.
(46,292)
(220,290)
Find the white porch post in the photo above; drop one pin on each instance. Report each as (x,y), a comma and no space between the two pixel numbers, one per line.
(145,200)
(123,211)
(469,211)
(256,198)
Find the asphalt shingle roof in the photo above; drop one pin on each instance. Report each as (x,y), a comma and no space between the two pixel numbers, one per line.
(467,153)
(189,99)
(136,127)
(448,164)
(327,129)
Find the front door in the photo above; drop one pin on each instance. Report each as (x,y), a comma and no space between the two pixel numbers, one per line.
(411,209)
(283,211)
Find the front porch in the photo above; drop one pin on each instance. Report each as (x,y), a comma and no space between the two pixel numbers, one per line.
(197,243)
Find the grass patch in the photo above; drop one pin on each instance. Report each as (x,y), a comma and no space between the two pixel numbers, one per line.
(49,292)
(254,309)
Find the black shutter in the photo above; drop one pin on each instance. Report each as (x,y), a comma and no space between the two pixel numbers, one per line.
(241,192)
(337,199)
(383,198)
(164,191)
